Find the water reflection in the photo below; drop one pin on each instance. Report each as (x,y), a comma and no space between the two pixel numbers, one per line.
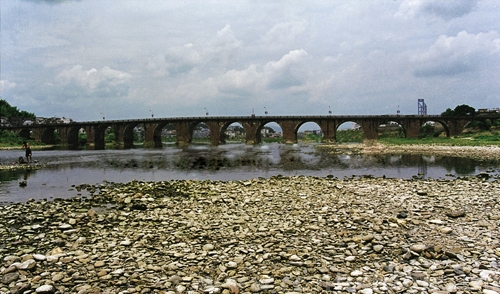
(65,168)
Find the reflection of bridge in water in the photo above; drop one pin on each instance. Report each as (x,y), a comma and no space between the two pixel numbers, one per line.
(184,127)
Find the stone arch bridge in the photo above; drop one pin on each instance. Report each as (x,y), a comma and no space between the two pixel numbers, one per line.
(252,125)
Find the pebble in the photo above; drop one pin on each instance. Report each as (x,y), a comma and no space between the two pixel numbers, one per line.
(278,235)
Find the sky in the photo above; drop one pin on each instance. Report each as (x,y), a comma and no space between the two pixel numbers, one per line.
(127,59)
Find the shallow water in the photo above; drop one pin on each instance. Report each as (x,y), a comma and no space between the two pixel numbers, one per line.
(66,168)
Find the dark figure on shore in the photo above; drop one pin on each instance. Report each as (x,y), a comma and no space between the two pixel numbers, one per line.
(26,146)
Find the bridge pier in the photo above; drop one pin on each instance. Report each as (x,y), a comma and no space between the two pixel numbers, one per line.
(124,135)
(95,136)
(289,129)
(370,127)
(412,127)
(152,134)
(252,132)
(216,137)
(329,129)
(183,133)
(457,126)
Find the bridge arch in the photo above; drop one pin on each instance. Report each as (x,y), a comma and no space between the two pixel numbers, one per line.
(47,135)
(392,128)
(265,129)
(432,122)
(349,133)
(25,133)
(72,136)
(236,132)
(95,135)
(308,132)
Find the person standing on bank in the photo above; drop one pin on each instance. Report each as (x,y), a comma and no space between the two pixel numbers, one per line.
(26,146)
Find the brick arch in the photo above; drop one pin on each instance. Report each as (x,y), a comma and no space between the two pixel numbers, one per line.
(126,135)
(340,122)
(400,124)
(258,130)
(442,122)
(47,135)
(223,129)
(72,136)
(318,123)
(95,136)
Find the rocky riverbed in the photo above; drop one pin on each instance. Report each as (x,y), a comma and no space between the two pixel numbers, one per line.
(277,235)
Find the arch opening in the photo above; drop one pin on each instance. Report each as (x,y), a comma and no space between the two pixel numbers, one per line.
(200,134)
(349,132)
(433,129)
(233,133)
(76,138)
(270,132)
(391,129)
(168,135)
(308,132)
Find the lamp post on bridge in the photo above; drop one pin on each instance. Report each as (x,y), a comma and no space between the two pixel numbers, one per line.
(152,114)
(329,111)
(103,118)
(265,110)
(206,111)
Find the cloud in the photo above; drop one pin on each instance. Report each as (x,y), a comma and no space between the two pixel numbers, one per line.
(177,60)
(446,10)
(6,85)
(284,32)
(453,55)
(282,74)
(93,78)
(288,71)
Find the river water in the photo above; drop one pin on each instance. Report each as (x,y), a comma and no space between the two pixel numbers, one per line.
(63,169)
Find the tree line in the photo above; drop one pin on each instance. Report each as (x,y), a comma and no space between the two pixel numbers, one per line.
(8,111)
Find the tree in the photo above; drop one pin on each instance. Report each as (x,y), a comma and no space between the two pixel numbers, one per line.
(6,110)
(460,110)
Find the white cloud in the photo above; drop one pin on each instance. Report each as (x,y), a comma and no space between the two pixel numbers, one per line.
(176,60)
(287,72)
(456,54)
(93,78)
(284,32)
(6,85)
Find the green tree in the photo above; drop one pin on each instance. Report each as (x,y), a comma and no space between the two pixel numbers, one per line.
(460,110)
(6,110)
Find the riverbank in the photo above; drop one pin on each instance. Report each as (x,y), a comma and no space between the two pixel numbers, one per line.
(480,153)
(279,235)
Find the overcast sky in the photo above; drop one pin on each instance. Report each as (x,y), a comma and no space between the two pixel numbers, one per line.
(130,59)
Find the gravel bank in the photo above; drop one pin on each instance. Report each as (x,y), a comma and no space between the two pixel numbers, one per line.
(481,153)
(278,235)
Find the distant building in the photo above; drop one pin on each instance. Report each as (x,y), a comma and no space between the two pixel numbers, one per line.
(52,120)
